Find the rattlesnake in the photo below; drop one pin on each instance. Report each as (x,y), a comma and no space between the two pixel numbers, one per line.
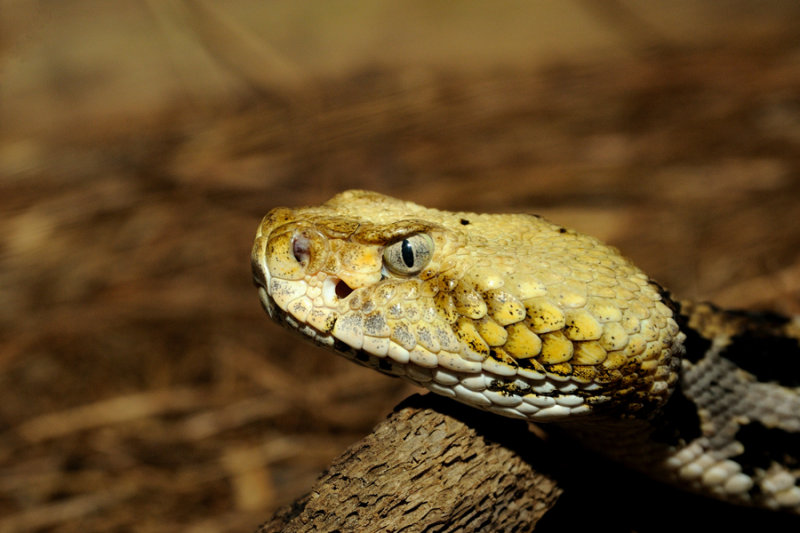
(528,319)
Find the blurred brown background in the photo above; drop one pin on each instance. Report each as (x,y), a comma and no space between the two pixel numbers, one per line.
(141,385)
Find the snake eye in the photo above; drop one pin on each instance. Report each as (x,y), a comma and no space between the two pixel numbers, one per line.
(409,256)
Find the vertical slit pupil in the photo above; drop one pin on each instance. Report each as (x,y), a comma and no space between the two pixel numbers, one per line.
(407,251)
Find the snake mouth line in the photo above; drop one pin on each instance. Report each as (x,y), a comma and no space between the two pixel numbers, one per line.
(542,399)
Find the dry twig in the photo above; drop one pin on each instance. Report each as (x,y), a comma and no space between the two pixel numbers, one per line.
(424,468)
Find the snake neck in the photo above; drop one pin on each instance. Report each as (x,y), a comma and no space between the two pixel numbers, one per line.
(730,428)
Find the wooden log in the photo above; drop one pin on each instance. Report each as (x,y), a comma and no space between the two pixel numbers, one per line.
(433,465)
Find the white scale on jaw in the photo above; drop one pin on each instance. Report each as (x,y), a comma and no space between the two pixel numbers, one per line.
(311,309)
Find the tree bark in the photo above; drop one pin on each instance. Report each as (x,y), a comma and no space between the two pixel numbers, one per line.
(425,469)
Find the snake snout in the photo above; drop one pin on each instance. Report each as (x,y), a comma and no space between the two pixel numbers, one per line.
(293,253)
(258,262)
(304,251)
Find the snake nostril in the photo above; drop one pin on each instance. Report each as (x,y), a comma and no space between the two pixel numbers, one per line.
(343,290)
(301,249)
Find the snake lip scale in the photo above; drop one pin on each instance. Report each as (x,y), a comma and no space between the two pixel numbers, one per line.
(527,319)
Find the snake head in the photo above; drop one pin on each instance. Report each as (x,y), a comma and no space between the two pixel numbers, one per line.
(509,313)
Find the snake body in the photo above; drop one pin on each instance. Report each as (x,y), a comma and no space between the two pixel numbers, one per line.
(522,317)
